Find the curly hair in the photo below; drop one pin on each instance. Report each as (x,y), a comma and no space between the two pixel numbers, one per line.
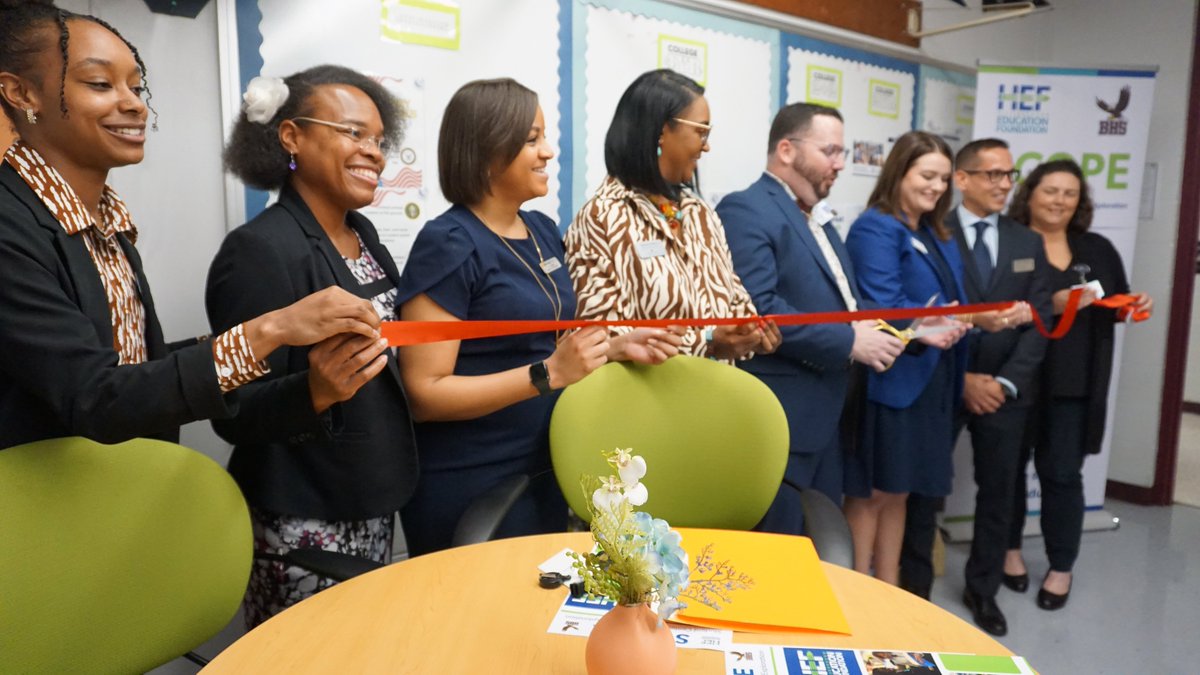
(23,37)
(1081,220)
(254,153)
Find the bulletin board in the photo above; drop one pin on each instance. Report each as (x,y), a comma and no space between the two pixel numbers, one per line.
(579,56)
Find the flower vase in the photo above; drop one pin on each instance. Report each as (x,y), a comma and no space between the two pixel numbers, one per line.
(628,640)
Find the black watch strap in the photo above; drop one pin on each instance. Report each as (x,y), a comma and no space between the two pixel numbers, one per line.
(539,375)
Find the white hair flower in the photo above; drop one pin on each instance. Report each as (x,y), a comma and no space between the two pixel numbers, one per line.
(263,98)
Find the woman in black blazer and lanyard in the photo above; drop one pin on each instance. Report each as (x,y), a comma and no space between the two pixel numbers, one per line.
(323,445)
(1068,420)
(81,349)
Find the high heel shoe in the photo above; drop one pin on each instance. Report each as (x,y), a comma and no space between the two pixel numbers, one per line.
(1017,582)
(1052,601)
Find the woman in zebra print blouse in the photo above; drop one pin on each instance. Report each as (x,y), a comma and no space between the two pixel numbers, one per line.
(645,246)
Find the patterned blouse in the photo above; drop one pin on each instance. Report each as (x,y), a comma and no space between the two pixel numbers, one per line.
(235,361)
(367,270)
(626,262)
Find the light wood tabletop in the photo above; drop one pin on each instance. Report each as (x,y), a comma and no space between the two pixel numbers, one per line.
(479,609)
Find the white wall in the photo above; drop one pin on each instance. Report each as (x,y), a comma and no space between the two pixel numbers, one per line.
(176,194)
(1113,32)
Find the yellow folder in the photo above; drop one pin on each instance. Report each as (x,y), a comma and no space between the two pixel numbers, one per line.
(766,582)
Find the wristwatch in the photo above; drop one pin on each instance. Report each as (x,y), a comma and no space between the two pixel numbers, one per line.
(539,375)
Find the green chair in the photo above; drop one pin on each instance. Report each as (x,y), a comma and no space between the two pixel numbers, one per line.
(115,558)
(715,439)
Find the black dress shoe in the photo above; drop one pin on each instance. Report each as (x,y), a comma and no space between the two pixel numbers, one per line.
(1017,582)
(986,613)
(1052,601)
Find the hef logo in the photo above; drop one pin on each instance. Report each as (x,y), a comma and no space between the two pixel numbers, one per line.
(1027,97)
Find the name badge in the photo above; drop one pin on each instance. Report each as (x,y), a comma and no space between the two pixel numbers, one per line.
(1022,265)
(920,246)
(549,265)
(1095,287)
(650,249)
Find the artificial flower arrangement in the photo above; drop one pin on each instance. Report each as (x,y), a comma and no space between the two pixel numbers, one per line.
(638,559)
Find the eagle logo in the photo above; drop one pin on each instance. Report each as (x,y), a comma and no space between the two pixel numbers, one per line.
(1114,111)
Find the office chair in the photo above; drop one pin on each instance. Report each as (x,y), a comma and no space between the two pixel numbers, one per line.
(714,437)
(115,558)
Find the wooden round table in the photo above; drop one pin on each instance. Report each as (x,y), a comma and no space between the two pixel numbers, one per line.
(479,609)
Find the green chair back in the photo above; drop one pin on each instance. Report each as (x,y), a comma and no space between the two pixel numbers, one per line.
(715,439)
(115,558)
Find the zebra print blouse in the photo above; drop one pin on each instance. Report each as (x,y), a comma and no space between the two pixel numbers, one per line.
(627,262)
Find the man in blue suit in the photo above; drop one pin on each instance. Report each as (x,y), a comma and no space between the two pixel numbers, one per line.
(793,261)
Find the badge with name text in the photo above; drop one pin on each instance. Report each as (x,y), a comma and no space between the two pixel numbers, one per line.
(655,248)
(549,265)
(1022,265)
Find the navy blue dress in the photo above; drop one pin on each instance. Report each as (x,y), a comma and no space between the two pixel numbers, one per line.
(469,271)
(907,434)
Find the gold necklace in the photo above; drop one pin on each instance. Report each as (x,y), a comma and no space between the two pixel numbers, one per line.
(555,302)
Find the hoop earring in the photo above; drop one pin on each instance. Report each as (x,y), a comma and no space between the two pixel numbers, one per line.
(291,162)
(30,116)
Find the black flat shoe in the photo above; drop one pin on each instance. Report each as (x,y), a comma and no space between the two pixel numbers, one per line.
(1052,601)
(986,613)
(1017,582)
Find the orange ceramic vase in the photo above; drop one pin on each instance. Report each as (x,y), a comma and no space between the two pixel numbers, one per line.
(629,641)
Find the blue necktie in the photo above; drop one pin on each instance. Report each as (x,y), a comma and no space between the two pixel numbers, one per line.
(983,258)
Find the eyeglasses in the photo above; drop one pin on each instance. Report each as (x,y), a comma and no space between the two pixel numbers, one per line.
(996,176)
(365,142)
(705,129)
(830,151)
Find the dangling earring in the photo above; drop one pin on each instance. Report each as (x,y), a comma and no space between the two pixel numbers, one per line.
(30,116)
(660,148)
(291,161)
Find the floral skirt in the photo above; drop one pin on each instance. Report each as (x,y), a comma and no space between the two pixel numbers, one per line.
(275,586)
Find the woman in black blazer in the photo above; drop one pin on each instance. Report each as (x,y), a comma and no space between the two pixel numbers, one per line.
(323,445)
(1068,420)
(81,349)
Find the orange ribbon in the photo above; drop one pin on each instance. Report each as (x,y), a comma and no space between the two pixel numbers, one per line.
(1124,304)
(402,333)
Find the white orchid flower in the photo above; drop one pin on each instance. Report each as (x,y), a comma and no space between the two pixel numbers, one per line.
(609,495)
(632,468)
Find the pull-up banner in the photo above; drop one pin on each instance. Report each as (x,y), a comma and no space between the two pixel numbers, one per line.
(1100,117)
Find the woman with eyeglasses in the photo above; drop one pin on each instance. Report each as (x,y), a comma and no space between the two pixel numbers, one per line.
(646,246)
(323,443)
(483,406)
(1067,423)
(82,352)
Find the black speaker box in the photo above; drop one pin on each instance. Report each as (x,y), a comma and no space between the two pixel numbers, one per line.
(188,8)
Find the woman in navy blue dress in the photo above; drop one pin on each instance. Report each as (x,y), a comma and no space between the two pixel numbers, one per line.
(483,406)
(904,257)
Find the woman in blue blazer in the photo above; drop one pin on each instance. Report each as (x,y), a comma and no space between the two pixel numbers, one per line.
(905,257)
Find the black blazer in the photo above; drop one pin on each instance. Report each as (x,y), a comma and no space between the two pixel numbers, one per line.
(58,369)
(1096,325)
(358,460)
(1020,274)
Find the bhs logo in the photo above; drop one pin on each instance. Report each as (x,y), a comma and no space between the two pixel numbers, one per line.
(1114,124)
